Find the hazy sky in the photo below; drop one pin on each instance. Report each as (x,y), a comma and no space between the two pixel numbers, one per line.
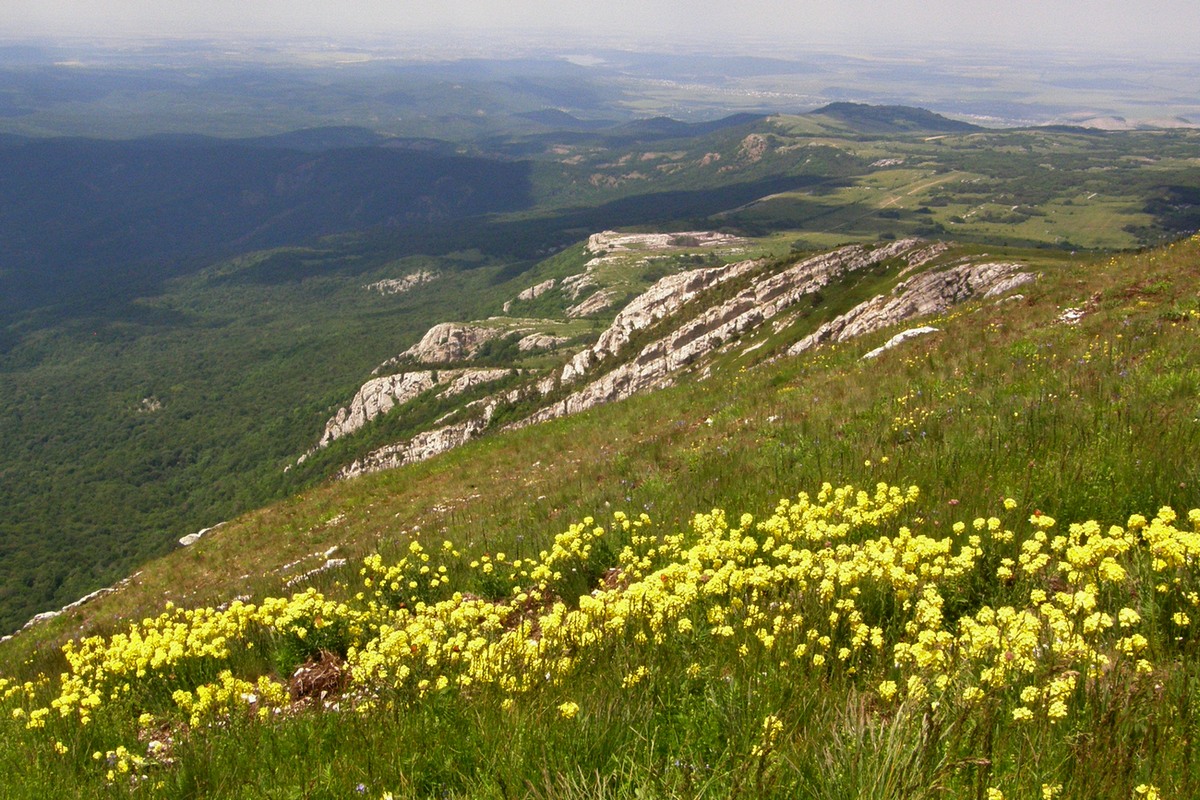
(1138,26)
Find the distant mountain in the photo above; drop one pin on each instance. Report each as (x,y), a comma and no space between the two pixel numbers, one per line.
(308,140)
(561,120)
(666,127)
(79,214)
(891,119)
(316,140)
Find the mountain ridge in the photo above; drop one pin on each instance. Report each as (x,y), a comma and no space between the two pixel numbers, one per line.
(865,118)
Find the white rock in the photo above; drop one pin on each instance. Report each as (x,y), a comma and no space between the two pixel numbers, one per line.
(1071,316)
(899,339)
(401,285)
(448,342)
(593,304)
(926,294)
(611,241)
(419,448)
(534,292)
(540,341)
(192,538)
(658,362)
(380,395)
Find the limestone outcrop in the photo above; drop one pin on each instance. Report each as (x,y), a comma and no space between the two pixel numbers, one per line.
(926,294)
(614,242)
(540,341)
(420,447)
(192,538)
(610,247)
(532,293)
(899,339)
(448,342)
(756,299)
(593,304)
(658,362)
(390,286)
(662,299)
(380,395)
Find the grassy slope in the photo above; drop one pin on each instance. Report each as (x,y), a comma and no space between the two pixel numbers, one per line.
(246,370)
(220,353)
(1095,420)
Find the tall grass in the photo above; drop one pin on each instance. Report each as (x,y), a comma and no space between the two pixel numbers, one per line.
(1092,420)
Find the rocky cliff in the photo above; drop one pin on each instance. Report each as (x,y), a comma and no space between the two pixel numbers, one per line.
(447,343)
(390,286)
(762,301)
(420,447)
(380,395)
(695,316)
(928,293)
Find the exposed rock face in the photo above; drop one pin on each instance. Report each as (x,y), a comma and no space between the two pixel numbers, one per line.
(773,300)
(401,285)
(380,395)
(593,304)
(48,615)
(662,299)
(613,242)
(192,538)
(927,293)
(610,246)
(532,293)
(924,256)
(149,405)
(576,285)
(753,147)
(434,442)
(657,363)
(540,341)
(448,342)
(420,447)
(1006,285)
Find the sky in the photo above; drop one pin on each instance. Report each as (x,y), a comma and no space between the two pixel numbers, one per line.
(1146,27)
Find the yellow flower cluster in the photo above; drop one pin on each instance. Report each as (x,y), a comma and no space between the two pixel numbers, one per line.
(831,583)
(228,692)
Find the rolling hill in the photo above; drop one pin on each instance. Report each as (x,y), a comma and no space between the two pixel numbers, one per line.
(607,603)
(147,347)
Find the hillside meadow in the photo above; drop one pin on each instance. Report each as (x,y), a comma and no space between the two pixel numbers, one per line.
(966,568)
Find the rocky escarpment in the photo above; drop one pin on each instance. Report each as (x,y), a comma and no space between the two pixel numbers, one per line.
(689,333)
(532,293)
(661,300)
(614,242)
(380,395)
(540,341)
(610,247)
(899,339)
(593,304)
(390,286)
(658,362)
(446,343)
(420,447)
(432,442)
(926,294)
